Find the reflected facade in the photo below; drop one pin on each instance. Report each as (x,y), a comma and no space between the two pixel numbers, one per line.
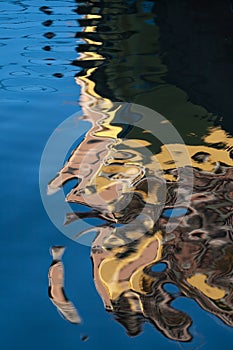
(129,178)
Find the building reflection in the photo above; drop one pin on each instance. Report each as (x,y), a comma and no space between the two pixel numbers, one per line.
(130,180)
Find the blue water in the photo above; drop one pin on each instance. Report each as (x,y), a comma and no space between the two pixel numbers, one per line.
(175,212)
(33,102)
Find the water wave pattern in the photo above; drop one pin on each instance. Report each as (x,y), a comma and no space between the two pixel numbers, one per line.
(40,44)
(120,60)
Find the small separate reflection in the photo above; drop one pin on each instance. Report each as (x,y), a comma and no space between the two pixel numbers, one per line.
(56,287)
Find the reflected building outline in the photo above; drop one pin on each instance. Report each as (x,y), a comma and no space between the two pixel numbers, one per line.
(121,62)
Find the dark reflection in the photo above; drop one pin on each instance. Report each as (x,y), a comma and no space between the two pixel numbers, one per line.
(47,48)
(129,53)
(197,47)
(58,75)
(84,338)
(47,10)
(49,35)
(47,23)
(169,69)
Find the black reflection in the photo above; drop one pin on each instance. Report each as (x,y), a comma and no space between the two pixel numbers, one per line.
(197,47)
(58,75)
(47,10)
(49,35)
(47,23)
(46,48)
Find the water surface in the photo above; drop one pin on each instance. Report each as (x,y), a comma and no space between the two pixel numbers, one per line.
(63,57)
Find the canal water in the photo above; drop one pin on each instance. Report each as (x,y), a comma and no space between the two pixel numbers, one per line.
(146,86)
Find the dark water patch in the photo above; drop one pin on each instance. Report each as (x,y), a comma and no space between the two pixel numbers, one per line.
(200,61)
(46,10)
(49,35)
(58,75)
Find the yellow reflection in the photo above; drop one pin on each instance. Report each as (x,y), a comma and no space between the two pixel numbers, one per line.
(218,135)
(90,29)
(199,281)
(119,275)
(136,277)
(209,163)
(92,42)
(86,56)
(91,16)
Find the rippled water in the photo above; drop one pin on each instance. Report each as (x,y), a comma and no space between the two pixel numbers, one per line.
(161,209)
